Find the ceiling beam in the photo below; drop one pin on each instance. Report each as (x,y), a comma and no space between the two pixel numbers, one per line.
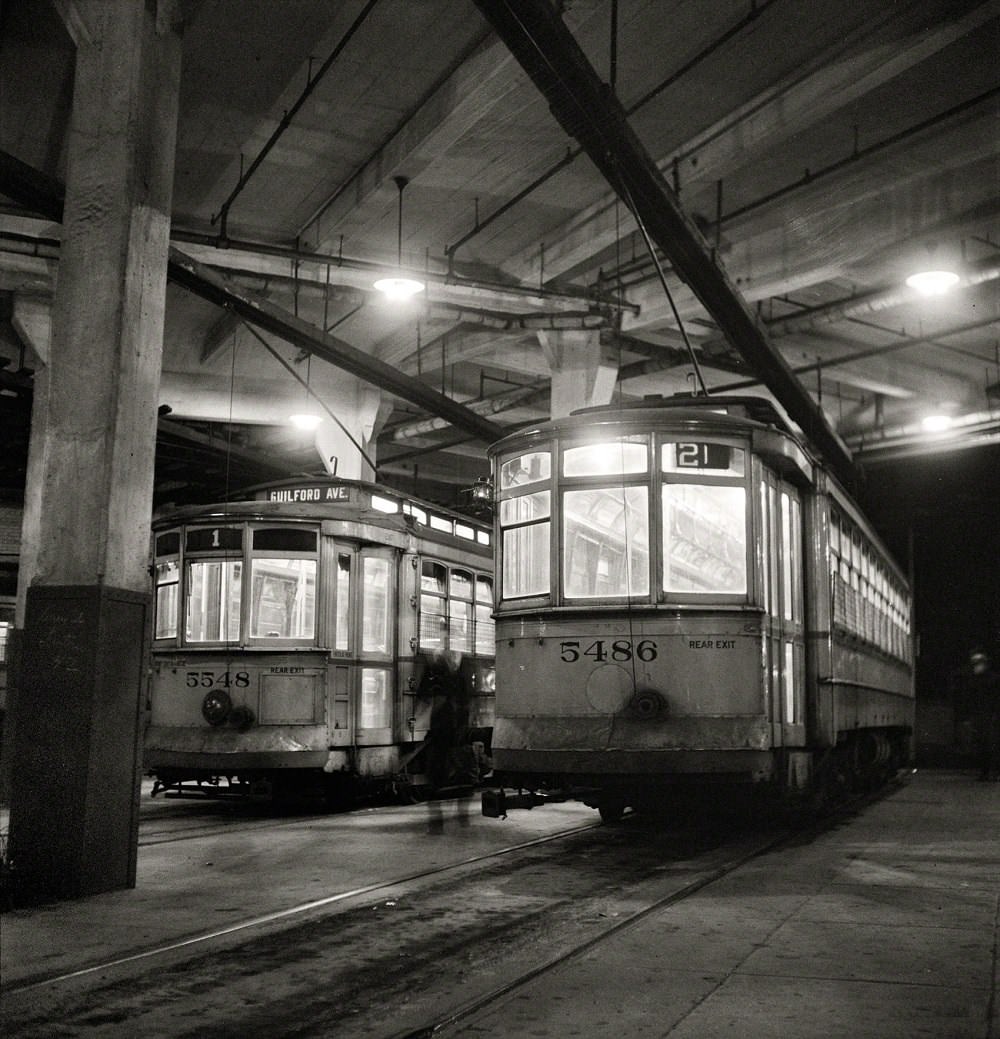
(834,79)
(29,187)
(587,109)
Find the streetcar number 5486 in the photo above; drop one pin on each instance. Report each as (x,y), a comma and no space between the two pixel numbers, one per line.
(619,650)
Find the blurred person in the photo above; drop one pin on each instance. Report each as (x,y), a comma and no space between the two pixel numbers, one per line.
(983,699)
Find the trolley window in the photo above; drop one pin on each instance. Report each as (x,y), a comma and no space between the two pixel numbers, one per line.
(485,628)
(213,600)
(524,514)
(704,539)
(867,601)
(342,634)
(168,577)
(6,624)
(455,609)
(283,583)
(704,510)
(606,542)
(433,604)
(460,611)
(376,707)
(607,458)
(525,529)
(376,630)
(524,469)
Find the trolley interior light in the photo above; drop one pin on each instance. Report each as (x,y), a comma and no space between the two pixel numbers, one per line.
(932,283)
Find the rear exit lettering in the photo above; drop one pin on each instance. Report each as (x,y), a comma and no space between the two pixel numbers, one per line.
(711,643)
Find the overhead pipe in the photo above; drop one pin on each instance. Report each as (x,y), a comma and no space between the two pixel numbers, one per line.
(586,109)
(287,118)
(48,248)
(337,261)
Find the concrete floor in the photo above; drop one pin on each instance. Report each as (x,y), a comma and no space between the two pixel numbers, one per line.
(884,926)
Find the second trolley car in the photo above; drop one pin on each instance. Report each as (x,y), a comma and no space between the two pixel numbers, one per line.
(296,639)
(687,599)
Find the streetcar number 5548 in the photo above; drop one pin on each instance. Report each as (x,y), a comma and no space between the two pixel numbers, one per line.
(619,650)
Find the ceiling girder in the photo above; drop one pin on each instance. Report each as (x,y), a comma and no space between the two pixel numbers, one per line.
(45,196)
(588,110)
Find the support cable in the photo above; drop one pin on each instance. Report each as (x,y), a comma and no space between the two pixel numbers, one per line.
(663,282)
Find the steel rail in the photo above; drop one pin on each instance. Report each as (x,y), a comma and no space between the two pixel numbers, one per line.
(686,891)
(284,914)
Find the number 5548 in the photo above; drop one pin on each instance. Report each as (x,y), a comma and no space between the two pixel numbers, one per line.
(617,650)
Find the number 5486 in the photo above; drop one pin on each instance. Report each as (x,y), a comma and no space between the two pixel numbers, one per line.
(600,650)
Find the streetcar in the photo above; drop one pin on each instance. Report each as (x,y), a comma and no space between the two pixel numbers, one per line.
(688,602)
(299,636)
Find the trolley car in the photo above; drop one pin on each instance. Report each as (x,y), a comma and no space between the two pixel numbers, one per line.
(688,600)
(293,635)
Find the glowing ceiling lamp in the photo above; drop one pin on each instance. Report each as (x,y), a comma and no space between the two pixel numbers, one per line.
(399,286)
(932,283)
(936,423)
(305,420)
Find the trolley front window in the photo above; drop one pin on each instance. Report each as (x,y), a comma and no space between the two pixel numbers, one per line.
(168,576)
(607,458)
(704,539)
(213,601)
(606,542)
(284,598)
(524,521)
(283,583)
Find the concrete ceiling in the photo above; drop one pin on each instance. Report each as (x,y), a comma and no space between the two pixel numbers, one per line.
(819,153)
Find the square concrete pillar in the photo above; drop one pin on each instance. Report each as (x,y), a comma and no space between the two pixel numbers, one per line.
(76,742)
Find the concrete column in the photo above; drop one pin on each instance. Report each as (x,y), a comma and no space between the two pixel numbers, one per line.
(339,451)
(85,541)
(584,373)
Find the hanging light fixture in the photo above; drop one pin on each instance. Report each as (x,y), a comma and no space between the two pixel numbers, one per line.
(937,274)
(939,422)
(399,286)
(932,283)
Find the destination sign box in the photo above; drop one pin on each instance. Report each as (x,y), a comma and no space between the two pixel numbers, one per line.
(314,493)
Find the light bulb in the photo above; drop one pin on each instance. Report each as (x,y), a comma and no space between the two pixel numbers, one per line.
(932,283)
(399,288)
